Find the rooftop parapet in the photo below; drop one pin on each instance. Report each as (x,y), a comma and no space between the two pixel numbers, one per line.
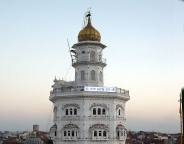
(79,91)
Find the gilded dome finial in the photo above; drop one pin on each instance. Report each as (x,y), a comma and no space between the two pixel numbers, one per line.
(89,33)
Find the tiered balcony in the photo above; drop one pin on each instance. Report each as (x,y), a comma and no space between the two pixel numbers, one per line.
(86,60)
(79,91)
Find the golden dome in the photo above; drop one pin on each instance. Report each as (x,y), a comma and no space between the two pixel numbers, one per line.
(89,33)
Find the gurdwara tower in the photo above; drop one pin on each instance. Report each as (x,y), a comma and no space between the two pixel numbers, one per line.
(86,112)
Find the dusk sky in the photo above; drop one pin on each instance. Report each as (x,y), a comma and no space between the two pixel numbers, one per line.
(145,55)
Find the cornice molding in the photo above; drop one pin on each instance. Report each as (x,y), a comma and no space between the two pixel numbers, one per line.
(88,96)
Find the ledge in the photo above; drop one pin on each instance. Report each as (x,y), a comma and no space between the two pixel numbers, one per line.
(82,94)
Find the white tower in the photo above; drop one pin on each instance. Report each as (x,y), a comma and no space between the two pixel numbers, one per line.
(85,112)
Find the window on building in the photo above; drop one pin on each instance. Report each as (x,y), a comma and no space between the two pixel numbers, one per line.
(99,111)
(64,133)
(70,111)
(117,133)
(94,111)
(100,133)
(75,111)
(83,51)
(92,75)
(119,112)
(92,56)
(104,133)
(68,133)
(76,133)
(103,111)
(66,111)
(95,133)
(55,133)
(73,133)
(82,75)
(101,77)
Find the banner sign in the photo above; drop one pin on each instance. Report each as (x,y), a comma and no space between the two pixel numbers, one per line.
(101,89)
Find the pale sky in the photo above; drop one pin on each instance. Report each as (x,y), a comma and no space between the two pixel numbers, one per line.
(145,55)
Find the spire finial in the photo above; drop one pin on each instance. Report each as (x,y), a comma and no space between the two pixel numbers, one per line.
(88,12)
(88,15)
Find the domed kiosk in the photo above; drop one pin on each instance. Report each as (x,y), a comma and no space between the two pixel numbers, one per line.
(33,139)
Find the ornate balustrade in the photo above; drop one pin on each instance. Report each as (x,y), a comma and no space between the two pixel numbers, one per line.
(87,61)
(81,88)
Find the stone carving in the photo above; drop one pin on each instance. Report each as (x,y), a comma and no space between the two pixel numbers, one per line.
(53,128)
(119,106)
(71,105)
(120,127)
(70,126)
(99,126)
(96,104)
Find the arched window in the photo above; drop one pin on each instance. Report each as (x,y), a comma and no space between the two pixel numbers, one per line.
(92,75)
(94,111)
(103,111)
(117,133)
(66,111)
(100,133)
(104,133)
(73,133)
(55,133)
(92,56)
(101,76)
(99,111)
(119,112)
(82,75)
(95,133)
(70,111)
(68,132)
(64,133)
(75,111)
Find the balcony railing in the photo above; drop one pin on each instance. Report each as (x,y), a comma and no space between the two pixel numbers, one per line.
(81,88)
(103,60)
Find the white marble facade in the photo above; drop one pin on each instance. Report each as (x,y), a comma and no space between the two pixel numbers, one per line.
(84,117)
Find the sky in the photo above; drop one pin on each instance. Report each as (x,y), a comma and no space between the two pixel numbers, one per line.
(145,55)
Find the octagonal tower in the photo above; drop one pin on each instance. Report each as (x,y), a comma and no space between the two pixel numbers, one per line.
(86,112)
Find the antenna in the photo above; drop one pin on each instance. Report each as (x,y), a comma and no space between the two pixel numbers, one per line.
(70,51)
